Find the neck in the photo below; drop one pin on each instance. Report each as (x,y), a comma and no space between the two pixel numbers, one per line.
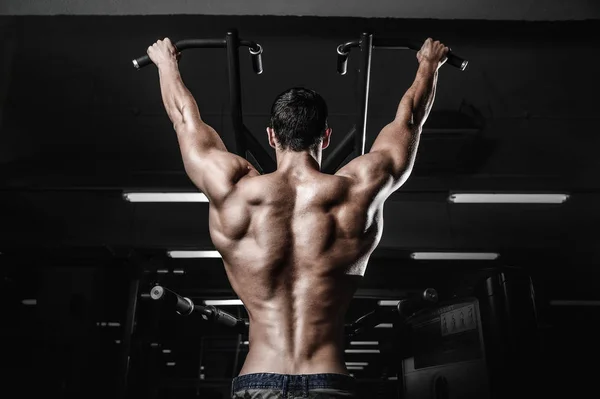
(301,160)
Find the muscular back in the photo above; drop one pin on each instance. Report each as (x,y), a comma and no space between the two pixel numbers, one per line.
(294,246)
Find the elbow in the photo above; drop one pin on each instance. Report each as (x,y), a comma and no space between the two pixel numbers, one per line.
(400,173)
(401,177)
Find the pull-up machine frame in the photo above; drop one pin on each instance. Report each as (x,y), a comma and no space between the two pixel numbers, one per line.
(353,142)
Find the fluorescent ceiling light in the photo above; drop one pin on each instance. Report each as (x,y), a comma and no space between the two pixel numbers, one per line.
(355,367)
(384,325)
(357,363)
(117,341)
(364,343)
(362,351)
(170,364)
(559,302)
(165,197)
(454,255)
(166,351)
(194,254)
(29,302)
(224,302)
(392,378)
(388,303)
(497,198)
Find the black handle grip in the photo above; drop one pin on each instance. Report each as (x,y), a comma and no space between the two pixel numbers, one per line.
(226,319)
(453,59)
(408,307)
(457,61)
(184,306)
(342,61)
(257,59)
(215,315)
(142,61)
(181,45)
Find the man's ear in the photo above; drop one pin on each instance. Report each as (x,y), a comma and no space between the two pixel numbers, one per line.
(326,138)
(271,136)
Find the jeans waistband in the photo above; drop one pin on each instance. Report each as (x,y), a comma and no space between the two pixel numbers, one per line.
(297,383)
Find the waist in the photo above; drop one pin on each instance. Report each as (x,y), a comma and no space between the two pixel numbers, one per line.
(300,384)
(264,358)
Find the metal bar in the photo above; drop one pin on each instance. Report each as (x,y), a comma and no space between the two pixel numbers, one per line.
(128,329)
(199,43)
(402,44)
(366,47)
(396,44)
(251,44)
(265,162)
(235,92)
(340,153)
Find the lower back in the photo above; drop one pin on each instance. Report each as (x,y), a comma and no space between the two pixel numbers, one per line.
(300,330)
(263,358)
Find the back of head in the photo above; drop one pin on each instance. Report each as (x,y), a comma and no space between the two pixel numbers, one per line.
(299,119)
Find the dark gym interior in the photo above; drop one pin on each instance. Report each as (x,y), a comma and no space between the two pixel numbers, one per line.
(80,126)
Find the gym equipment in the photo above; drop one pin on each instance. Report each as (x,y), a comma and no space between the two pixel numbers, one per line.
(478,339)
(245,143)
(354,141)
(406,307)
(185,307)
(480,344)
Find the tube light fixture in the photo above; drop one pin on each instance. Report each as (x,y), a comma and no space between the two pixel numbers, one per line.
(29,302)
(355,367)
(388,302)
(364,343)
(164,197)
(384,325)
(507,198)
(194,254)
(223,302)
(357,364)
(454,255)
(362,351)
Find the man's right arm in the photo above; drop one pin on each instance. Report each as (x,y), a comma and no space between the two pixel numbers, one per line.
(392,156)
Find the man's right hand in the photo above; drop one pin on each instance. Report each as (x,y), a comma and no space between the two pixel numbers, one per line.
(163,53)
(433,52)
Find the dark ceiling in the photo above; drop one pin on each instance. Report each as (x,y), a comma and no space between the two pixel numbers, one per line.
(79,125)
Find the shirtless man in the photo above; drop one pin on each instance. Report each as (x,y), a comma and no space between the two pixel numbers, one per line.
(295,242)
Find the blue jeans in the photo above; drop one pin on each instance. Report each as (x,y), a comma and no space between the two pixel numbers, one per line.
(276,386)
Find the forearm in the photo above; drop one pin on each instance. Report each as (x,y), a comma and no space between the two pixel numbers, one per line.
(176,97)
(195,136)
(420,96)
(399,140)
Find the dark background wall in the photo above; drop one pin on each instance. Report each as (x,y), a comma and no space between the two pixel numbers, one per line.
(79,125)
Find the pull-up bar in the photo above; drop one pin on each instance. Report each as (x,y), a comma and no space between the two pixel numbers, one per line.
(367,43)
(245,142)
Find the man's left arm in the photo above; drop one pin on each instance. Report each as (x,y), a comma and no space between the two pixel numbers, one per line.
(207,162)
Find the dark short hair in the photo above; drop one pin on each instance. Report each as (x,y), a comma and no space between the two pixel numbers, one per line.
(299,119)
